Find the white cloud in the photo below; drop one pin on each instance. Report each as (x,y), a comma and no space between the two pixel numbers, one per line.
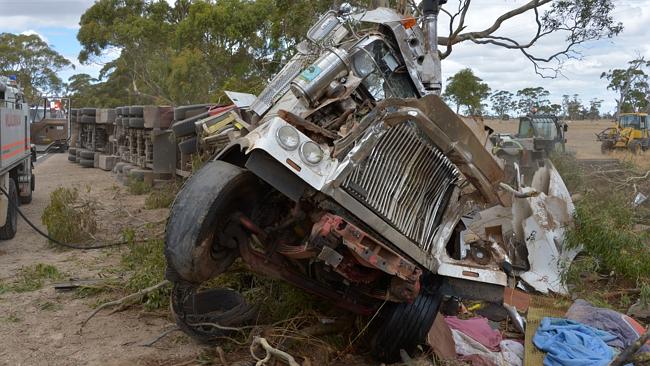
(17,15)
(30,32)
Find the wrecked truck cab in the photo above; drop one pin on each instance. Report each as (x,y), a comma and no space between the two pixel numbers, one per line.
(358,184)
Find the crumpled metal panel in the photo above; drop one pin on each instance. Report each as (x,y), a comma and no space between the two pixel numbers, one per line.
(551,213)
(406,180)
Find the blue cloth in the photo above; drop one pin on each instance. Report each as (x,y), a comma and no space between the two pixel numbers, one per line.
(570,343)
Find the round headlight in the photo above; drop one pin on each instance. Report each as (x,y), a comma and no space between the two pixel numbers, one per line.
(363,63)
(288,137)
(311,153)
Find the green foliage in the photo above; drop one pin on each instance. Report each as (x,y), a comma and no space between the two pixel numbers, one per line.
(69,218)
(467,90)
(194,49)
(278,300)
(631,84)
(146,263)
(34,63)
(530,98)
(33,277)
(138,187)
(604,226)
(502,103)
(161,198)
(569,168)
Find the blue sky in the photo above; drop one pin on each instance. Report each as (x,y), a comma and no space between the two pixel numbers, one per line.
(57,22)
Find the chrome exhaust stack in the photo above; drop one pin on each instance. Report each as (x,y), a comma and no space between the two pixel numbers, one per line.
(432,74)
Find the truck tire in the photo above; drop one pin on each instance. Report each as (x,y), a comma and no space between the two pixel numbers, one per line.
(136,122)
(187,111)
(606,146)
(634,147)
(8,231)
(72,158)
(404,326)
(88,119)
(189,146)
(87,163)
(201,208)
(72,150)
(88,111)
(187,126)
(86,154)
(218,306)
(136,110)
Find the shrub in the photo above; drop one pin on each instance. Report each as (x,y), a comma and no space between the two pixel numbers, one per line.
(69,218)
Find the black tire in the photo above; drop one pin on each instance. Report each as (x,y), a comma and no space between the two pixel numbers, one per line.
(202,207)
(8,231)
(33,183)
(88,155)
(89,111)
(72,150)
(88,119)
(119,111)
(136,122)
(634,147)
(404,326)
(136,111)
(189,146)
(187,127)
(72,158)
(221,306)
(187,111)
(87,163)
(606,146)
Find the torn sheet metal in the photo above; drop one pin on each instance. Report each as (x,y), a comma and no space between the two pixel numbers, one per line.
(551,213)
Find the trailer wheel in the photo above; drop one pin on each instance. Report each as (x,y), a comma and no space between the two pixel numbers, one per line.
(87,163)
(86,154)
(72,158)
(404,326)
(634,147)
(136,122)
(8,231)
(189,146)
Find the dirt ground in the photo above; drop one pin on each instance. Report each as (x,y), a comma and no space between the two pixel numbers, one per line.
(42,327)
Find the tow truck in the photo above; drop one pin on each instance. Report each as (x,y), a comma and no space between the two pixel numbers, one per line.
(17,155)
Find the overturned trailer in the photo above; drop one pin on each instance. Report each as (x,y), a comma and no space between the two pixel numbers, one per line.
(357,183)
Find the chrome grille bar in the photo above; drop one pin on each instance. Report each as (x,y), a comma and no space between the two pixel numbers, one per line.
(406,181)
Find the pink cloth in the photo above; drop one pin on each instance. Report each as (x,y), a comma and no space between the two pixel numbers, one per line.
(478,329)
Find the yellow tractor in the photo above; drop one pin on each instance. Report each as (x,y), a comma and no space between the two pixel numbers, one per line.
(630,132)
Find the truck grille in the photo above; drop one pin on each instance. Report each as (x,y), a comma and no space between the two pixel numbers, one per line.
(407,181)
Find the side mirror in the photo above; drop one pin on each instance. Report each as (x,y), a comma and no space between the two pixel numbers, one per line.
(566,127)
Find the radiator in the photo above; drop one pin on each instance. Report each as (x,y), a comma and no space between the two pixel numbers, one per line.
(407,181)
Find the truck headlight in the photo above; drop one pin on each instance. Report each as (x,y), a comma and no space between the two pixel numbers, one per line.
(311,153)
(287,137)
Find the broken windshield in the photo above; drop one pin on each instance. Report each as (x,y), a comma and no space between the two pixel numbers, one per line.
(384,76)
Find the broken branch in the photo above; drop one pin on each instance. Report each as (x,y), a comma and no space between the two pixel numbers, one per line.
(270,352)
(133,297)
